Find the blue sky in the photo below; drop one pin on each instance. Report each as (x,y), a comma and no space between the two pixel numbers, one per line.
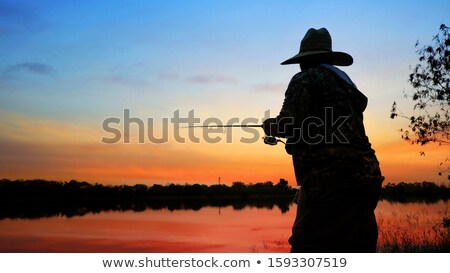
(78,62)
(89,44)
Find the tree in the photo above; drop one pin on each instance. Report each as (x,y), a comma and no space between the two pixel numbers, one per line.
(430,79)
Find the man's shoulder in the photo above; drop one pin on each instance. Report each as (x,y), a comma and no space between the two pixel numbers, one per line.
(311,74)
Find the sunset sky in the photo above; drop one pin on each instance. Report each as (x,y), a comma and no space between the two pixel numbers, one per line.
(66,66)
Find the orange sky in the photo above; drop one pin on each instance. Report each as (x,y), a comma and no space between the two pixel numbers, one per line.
(36,148)
(66,67)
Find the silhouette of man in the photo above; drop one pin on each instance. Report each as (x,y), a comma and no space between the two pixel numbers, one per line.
(339,174)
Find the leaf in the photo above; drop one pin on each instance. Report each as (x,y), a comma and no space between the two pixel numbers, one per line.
(430,79)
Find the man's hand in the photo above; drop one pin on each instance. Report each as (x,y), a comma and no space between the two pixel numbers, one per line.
(270,126)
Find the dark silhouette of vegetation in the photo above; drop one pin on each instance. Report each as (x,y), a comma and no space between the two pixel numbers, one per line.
(399,236)
(427,192)
(41,198)
(430,79)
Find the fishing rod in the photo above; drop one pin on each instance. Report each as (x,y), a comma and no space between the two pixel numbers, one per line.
(269,140)
(225,126)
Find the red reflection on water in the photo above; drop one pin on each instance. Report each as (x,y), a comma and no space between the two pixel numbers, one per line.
(206,230)
(152,231)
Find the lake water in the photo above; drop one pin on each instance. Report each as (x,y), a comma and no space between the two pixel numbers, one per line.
(209,229)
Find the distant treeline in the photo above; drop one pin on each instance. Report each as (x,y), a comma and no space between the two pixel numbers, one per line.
(427,192)
(43,189)
(42,198)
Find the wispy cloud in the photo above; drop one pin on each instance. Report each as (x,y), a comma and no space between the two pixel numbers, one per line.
(269,87)
(32,67)
(210,78)
(119,79)
(168,76)
(17,18)
(197,79)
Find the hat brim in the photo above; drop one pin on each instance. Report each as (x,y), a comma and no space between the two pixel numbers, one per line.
(337,58)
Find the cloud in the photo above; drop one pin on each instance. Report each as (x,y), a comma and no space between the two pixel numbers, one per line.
(269,87)
(9,10)
(211,78)
(128,75)
(121,80)
(32,147)
(17,18)
(197,79)
(32,67)
(169,76)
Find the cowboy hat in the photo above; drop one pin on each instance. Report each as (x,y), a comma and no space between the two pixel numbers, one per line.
(317,42)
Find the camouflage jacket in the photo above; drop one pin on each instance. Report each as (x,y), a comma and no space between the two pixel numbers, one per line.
(322,119)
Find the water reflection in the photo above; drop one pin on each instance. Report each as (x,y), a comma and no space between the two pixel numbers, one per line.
(198,226)
(26,210)
(45,209)
(209,229)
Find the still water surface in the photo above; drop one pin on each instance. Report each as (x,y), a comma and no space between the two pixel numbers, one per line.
(208,229)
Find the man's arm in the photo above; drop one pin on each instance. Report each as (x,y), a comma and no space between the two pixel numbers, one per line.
(296,107)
